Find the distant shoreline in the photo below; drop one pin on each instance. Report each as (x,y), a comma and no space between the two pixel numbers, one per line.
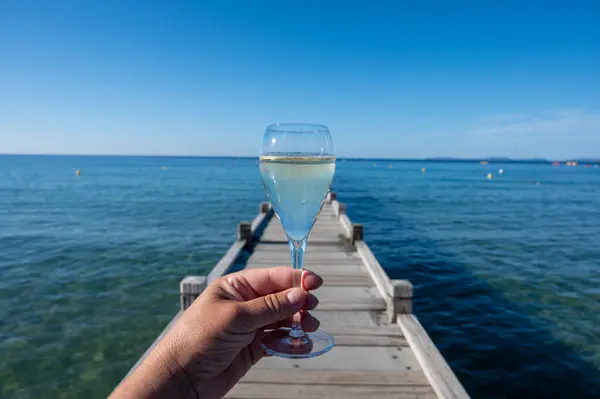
(495,160)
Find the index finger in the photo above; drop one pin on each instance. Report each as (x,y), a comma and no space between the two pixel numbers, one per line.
(275,279)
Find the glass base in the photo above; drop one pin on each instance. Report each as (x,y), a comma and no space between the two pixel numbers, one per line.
(279,343)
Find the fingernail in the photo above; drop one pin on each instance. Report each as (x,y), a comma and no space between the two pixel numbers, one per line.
(296,296)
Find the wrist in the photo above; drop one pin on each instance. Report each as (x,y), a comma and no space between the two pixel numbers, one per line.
(170,375)
(158,376)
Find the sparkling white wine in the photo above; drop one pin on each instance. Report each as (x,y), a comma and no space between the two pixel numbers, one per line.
(297,186)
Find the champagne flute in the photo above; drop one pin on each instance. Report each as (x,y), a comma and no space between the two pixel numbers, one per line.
(297,166)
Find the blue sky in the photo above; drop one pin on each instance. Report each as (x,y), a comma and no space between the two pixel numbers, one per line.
(462,79)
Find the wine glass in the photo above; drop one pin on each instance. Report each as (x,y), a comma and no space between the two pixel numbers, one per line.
(297,166)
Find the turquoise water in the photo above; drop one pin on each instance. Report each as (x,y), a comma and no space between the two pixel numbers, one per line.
(506,271)
(297,186)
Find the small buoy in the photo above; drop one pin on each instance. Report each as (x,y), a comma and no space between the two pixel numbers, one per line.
(422,170)
(500,171)
(489,176)
(389,166)
(77,172)
(164,168)
(374,163)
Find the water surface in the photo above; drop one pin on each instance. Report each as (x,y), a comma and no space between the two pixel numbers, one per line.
(506,271)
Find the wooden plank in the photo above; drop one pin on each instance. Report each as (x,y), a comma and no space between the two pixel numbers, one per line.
(329,225)
(327,219)
(324,271)
(397,293)
(282,246)
(322,219)
(441,377)
(346,225)
(311,241)
(320,248)
(324,235)
(332,270)
(342,280)
(369,340)
(333,237)
(337,208)
(294,391)
(379,275)
(346,320)
(338,239)
(279,246)
(308,264)
(308,255)
(362,280)
(338,253)
(318,232)
(347,293)
(363,358)
(315,259)
(392,330)
(337,377)
(327,212)
(371,304)
(331,234)
(311,265)
(322,230)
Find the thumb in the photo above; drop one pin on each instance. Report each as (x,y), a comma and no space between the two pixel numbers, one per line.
(271,308)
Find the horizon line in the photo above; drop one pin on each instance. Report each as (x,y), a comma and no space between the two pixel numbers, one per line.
(433,158)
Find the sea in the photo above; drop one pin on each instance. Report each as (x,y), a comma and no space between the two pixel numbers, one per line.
(506,266)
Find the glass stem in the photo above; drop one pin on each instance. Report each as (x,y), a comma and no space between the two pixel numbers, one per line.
(297,250)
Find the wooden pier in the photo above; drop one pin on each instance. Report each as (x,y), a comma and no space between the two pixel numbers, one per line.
(381,350)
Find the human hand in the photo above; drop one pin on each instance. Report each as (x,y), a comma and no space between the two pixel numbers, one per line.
(218,338)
